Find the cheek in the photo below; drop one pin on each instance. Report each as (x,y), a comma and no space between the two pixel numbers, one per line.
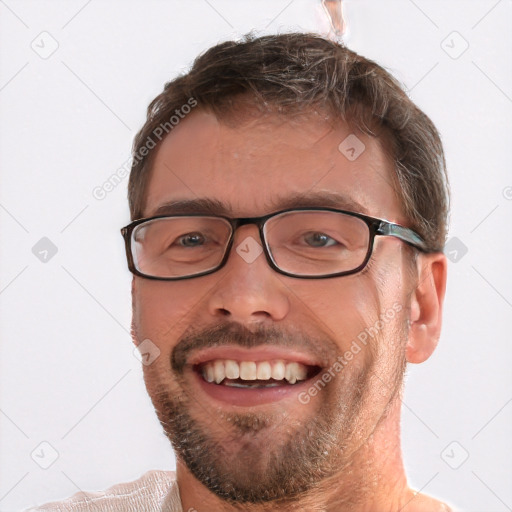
(343,306)
(161,310)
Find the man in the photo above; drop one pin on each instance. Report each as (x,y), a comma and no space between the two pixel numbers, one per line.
(289,205)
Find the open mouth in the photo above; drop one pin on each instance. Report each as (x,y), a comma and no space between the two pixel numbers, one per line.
(255,374)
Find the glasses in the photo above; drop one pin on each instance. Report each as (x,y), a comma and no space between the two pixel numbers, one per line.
(309,243)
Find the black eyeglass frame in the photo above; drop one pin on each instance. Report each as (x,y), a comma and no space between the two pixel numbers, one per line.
(376,226)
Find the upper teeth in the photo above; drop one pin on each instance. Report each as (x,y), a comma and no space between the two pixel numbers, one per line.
(220,369)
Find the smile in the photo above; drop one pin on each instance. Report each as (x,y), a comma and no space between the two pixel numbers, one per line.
(234,376)
(254,374)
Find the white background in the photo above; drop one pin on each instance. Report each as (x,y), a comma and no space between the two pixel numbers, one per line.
(68,375)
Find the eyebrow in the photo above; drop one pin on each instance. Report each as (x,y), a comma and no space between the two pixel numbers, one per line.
(209,206)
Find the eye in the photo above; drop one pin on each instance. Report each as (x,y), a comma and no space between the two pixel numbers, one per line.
(191,240)
(318,239)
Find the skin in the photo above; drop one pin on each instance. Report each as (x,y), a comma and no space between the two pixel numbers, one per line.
(353,456)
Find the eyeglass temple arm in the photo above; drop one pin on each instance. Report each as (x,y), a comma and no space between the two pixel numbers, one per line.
(403,233)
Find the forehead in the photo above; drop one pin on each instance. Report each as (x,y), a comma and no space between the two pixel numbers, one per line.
(270,162)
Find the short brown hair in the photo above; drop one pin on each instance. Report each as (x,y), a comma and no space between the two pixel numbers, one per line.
(293,73)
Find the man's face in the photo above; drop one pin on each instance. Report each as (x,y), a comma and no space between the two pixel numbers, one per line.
(260,444)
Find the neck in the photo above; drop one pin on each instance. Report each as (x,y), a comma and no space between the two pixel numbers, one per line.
(374,480)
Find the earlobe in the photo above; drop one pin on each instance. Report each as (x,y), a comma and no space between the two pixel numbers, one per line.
(426,306)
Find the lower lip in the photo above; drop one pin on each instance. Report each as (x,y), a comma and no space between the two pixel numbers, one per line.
(250,396)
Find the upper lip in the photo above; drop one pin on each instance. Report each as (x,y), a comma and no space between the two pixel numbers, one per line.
(260,353)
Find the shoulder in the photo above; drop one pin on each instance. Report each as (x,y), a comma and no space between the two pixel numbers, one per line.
(154,490)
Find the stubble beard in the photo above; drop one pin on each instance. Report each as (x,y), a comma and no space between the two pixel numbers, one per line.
(256,457)
(262,457)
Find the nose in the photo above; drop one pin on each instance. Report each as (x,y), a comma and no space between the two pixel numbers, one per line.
(248,290)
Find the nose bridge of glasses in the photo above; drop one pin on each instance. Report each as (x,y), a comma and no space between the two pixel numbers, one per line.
(245,227)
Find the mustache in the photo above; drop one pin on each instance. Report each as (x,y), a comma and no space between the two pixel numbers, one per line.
(239,335)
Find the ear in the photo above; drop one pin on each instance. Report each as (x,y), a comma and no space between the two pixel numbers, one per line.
(426,307)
